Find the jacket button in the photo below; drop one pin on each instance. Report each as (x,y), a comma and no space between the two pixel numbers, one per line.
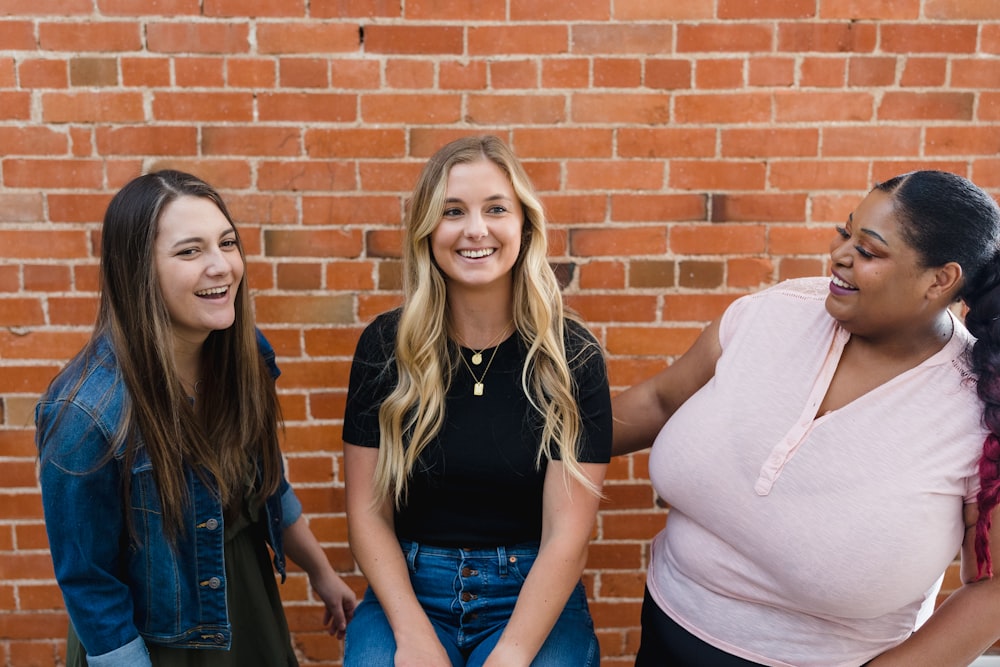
(220,639)
(214,582)
(212,524)
(467,596)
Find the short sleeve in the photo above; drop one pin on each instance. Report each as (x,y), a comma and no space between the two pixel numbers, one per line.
(373,376)
(593,395)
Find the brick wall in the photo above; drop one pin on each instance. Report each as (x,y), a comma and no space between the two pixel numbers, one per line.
(688,151)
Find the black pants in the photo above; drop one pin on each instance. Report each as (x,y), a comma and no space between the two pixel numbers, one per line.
(666,644)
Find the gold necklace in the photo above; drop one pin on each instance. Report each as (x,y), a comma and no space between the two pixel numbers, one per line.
(477,355)
(477,388)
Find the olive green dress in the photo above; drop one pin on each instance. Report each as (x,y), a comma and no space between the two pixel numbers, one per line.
(260,630)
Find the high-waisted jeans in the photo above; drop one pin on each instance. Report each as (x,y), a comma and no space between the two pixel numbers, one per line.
(469,595)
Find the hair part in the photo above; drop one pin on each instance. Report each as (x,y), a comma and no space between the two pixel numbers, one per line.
(425,358)
(947,218)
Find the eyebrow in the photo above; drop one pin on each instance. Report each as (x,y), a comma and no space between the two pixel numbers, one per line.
(496,197)
(198,239)
(869,232)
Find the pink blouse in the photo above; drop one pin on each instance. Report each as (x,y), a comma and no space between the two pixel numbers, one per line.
(797,540)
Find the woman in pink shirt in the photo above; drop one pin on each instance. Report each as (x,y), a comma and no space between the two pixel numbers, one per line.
(827,447)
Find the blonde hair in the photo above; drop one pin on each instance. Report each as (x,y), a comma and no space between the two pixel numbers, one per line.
(414,412)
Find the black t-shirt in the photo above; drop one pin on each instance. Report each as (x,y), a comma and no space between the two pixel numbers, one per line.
(476,484)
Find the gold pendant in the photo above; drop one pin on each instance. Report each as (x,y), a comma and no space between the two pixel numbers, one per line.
(477,389)
(477,358)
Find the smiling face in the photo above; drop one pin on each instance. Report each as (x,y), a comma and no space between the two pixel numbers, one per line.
(478,238)
(879,286)
(198,266)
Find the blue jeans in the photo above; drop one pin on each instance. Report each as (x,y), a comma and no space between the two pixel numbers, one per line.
(469,596)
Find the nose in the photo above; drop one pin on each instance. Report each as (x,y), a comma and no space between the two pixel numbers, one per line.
(475,226)
(217,263)
(840,250)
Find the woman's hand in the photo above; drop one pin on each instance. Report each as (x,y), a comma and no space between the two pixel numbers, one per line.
(339,600)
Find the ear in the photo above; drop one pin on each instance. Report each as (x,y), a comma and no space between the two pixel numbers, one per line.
(947,282)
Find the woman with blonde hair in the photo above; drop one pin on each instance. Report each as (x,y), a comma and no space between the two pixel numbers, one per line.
(477,433)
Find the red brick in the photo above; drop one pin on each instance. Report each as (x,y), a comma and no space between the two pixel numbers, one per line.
(718,239)
(770,142)
(618,241)
(715,175)
(40,173)
(636,207)
(838,37)
(250,72)
(620,108)
(538,109)
(145,71)
(771,71)
(254,8)
(409,74)
(930,38)
(38,73)
(767,9)
(868,71)
(738,108)
(145,7)
(860,141)
(565,73)
(761,207)
(445,10)
(93,107)
(800,240)
(413,39)
(366,9)
(310,38)
(719,73)
(675,10)
(823,72)
(870,9)
(959,10)
(199,72)
(558,10)
(612,308)
(147,140)
(187,37)
(312,243)
(797,107)
(926,106)
(351,210)
(507,40)
(600,275)
(810,175)
(255,140)
(191,106)
(724,38)
(519,74)
(415,108)
(285,175)
(621,38)
(749,272)
(614,175)
(17,35)
(86,36)
(563,142)
(15,105)
(920,72)
(21,207)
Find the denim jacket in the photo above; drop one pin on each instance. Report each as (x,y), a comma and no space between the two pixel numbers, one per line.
(121,593)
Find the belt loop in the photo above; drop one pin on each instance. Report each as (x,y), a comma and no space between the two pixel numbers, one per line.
(502,561)
(411,556)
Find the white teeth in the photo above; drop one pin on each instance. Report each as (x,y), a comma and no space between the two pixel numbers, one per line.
(840,283)
(476,254)
(213,290)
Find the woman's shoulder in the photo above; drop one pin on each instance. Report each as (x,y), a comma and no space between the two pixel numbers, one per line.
(379,337)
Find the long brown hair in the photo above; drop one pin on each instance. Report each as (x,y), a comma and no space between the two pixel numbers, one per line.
(238,416)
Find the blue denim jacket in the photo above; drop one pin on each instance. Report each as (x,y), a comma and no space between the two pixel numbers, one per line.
(121,593)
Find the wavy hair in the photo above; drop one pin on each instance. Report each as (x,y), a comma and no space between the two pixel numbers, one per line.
(425,358)
(237,418)
(947,218)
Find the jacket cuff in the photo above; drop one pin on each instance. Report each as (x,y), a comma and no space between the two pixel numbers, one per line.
(133,654)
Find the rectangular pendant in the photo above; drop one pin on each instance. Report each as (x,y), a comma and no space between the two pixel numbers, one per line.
(477,389)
